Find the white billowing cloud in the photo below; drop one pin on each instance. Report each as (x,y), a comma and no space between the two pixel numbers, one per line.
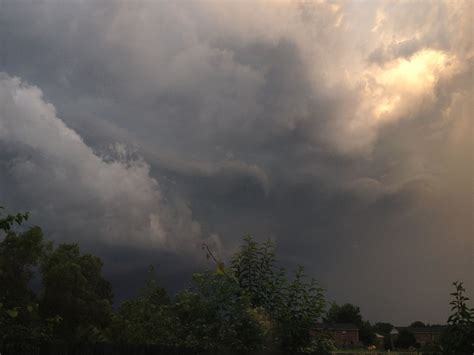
(116,201)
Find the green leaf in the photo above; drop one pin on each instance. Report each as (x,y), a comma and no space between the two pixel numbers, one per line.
(12,313)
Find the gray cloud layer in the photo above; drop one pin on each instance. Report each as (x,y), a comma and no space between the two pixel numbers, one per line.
(342,130)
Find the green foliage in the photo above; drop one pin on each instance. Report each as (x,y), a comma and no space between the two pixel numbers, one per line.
(321,343)
(254,268)
(433,348)
(462,315)
(383,328)
(366,333)
(405,340)
(146,320)
(216,314)
(74,290)
(249,306)
(302,303)
(293,306)
(347,313)
(417,324)
(20,254)
(7,222)
(459,336)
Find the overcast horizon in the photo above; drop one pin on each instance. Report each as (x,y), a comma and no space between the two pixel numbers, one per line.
(341,130)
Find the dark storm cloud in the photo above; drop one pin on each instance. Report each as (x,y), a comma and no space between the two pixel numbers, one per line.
(314,124)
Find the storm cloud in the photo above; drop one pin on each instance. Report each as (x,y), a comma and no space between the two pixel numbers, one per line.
(343,130)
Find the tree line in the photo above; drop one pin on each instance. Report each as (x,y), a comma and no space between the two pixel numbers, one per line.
(248,305)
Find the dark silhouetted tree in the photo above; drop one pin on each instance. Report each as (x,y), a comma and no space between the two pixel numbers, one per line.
(383,328)
(74,289)
(216,314)
(147,319)
(20,254)
(347,313)
(405,340)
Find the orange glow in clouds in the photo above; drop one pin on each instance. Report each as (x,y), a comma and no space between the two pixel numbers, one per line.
(400,86)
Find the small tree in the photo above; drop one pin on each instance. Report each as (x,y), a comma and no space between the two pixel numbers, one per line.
(302,303)
(287,309)
(216,314)
(458,339)
(462,315)
(254,268)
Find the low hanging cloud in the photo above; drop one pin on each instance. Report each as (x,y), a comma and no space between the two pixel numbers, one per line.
(61,179)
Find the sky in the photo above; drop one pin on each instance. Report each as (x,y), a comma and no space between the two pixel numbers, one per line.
(341,130)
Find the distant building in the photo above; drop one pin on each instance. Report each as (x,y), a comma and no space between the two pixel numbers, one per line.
(379,341)
(345,336)
(424,335)
(393,337)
